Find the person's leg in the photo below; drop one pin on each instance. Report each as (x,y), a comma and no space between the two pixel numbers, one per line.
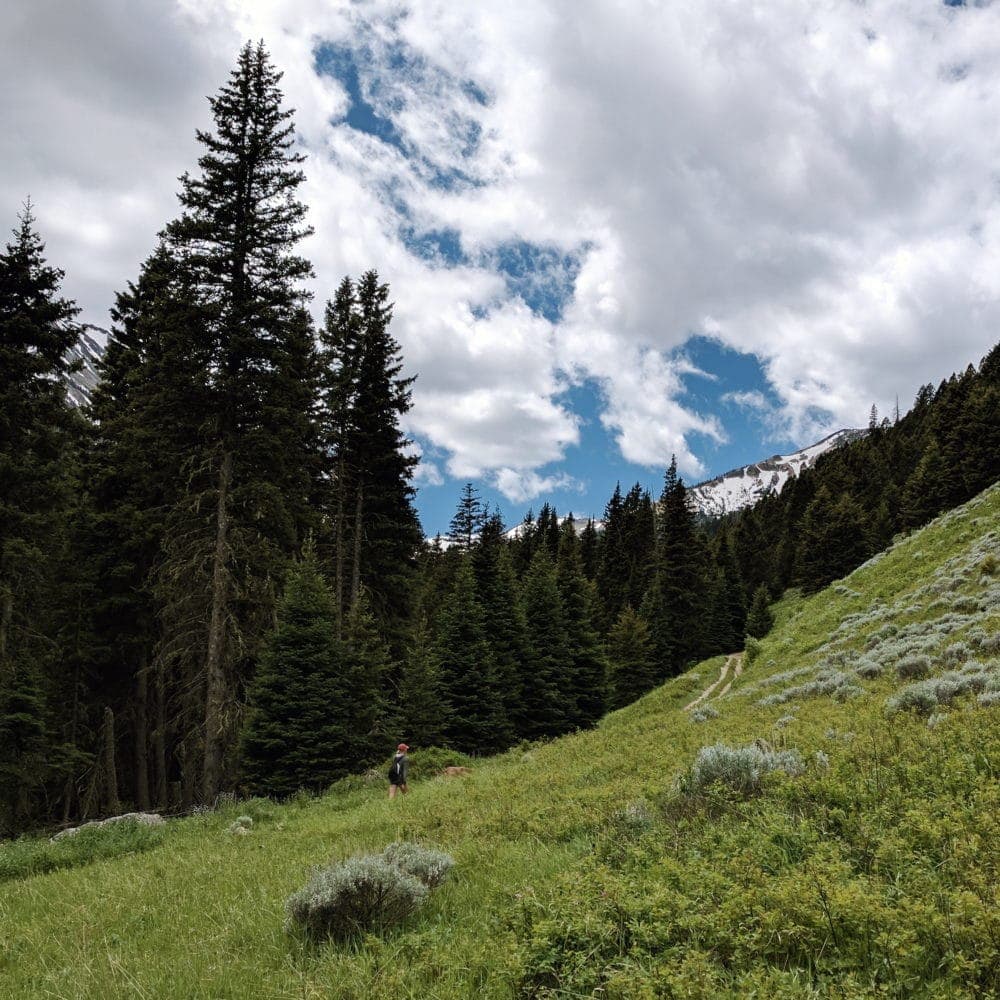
(404,788)
(392,791)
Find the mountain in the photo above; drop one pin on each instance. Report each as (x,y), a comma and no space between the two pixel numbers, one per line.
(744,486)
(88,350)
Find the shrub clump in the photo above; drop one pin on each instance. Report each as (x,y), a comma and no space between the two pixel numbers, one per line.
(923,696)
(739,768)
(424,863)
(868,668)
(367,893)
(704,713)
(360,894)
(914,666)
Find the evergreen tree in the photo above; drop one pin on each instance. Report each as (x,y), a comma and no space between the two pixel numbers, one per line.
(638,542)
(372,677)
(585,689)
(148,408)
(760,620)
(39,437)
(300,730)
(832,542)
(675,602)
(476,720)
(548,700)
(385,532)
(248,490)
(732,610)
(341,343)
(470,516)
(590,550)
(631,657)
(924,494)
(614,570)
(422,716)
(547,530)
(503,615)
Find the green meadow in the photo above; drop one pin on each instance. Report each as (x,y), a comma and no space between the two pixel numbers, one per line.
(599,865)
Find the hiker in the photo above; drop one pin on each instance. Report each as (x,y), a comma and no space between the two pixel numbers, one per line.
(397,771)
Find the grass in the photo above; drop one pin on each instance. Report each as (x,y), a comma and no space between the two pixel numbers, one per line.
(580,868)
(28,856)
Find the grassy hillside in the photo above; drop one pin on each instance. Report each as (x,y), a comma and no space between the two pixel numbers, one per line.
(600,864)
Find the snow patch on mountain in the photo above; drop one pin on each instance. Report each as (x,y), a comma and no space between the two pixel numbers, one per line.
(743,487)
(88,350)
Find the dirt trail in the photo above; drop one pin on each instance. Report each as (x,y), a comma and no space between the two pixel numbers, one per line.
(736,661)
(737,670)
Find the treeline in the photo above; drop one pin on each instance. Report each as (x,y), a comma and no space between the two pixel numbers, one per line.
(144,543)
(897,477)
(214,578)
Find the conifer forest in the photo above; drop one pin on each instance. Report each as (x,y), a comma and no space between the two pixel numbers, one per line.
(213,577)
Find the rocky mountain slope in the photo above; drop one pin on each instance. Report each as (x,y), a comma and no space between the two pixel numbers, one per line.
(744,486)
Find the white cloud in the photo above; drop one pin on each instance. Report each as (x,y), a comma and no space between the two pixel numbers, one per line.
(519,486)
(814,184)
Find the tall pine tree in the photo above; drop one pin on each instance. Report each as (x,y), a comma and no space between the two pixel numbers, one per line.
(251,470)
(39,436)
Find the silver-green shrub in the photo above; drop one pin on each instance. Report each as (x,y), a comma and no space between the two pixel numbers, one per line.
(428,865)
(739,768)
(914,666)
(704,713)
(867,667)
(360,894)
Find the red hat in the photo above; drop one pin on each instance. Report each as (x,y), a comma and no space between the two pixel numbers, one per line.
(403,747)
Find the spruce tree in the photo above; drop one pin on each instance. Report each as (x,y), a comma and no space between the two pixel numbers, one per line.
(590,550)
(468,520)
(422,718)
(340,354)
(372,678)
(614,570)
(300,730)
(732,611)
(585,689)
(148,408)
(503,615)
(674,606)
(476,720)
(548,699)
(39,438)
(760,620)
(252,468)
(385,532)
(631,657)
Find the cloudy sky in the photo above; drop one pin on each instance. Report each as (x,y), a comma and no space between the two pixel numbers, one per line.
(613,231)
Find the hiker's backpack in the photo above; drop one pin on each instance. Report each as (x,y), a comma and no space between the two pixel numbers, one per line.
(394,771)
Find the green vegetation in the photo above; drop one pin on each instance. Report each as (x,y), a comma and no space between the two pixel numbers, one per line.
(867,869)
(27,857)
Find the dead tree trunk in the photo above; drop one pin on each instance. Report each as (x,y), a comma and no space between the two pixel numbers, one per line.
(111,801)
(160,737)
(216,692)
(141,736)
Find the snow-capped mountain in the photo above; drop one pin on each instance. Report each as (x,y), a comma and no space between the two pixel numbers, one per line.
(743,487)
(89,350)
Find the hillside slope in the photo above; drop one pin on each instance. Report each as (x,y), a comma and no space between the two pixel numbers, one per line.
(872,869)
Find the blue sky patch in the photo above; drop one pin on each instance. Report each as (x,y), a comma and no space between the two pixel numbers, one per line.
(596,463)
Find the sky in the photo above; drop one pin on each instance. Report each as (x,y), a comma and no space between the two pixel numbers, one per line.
(613,232)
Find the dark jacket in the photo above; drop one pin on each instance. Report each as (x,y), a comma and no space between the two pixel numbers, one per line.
(397,774)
